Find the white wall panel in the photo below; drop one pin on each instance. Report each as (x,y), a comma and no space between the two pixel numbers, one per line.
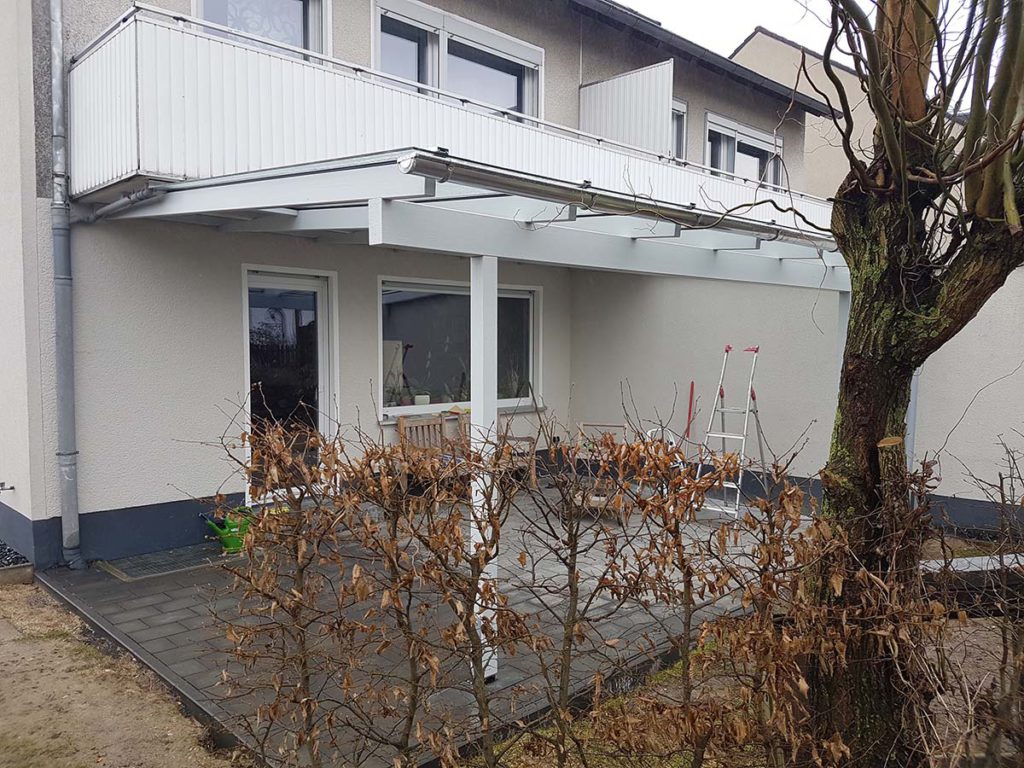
(209,106)
(634,108)
(103,127)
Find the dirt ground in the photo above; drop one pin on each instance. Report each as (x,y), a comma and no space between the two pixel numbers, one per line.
(65,702)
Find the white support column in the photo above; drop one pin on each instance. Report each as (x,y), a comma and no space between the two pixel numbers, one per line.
(483,377)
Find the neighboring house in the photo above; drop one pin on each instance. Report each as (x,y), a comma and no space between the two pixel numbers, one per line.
(965,397)
(271,205)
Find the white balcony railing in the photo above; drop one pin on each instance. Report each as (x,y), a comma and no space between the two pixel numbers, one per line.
(172,97)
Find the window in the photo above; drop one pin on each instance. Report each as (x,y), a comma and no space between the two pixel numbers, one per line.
(288,353)
(485,77)
(425,345)
(426,45)
(679,130)
(745,151)
(404,50)
(297,23)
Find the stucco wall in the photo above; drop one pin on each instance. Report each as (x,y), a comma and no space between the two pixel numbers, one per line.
(824,159)
(643,339)
(17,233)
(703,91)
(969,395)
(159,347)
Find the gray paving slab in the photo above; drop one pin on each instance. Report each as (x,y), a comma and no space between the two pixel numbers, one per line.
(167,621)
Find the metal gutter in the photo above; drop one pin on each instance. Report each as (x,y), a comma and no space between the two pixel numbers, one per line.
(64,343)
(444,168)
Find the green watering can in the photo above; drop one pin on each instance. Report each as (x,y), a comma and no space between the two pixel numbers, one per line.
(231,529)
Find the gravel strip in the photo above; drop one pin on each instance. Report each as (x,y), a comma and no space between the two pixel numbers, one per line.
(9,557)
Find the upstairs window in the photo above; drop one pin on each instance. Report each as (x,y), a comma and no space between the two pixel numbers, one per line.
(404,50)
(745,151)
(424,44)
(679,130)
(485,77)
(298,23)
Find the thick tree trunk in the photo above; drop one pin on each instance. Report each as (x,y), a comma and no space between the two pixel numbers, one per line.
(859,694)
(861,698)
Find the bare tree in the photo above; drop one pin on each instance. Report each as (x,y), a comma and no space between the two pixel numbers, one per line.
(928,221)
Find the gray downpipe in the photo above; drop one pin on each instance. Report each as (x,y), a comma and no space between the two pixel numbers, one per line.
(67,449)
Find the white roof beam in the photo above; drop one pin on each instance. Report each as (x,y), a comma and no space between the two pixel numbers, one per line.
(305,220)
(410,226)
(297,190)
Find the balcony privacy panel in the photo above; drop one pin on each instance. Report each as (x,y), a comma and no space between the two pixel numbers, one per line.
(634,108)
(102,111)
(170,101)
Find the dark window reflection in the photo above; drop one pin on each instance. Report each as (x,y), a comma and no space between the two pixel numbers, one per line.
(403,50)
(426,342)
(284,357)
(485,77)
(513,347)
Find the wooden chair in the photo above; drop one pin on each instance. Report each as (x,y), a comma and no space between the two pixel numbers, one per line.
(425,432)
(524,449)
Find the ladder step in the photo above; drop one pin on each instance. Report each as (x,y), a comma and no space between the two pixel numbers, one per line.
(730,484)
(733,410)
(726,436)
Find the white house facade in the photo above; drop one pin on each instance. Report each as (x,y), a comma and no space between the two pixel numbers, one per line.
(364,206)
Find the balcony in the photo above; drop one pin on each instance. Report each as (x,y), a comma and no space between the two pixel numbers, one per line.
(166,97)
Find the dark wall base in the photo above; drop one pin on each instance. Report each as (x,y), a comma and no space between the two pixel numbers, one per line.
(115,533)
(38,540)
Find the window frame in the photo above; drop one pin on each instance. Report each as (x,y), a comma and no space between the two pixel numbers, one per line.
(744,134)
(443,26)
(432,52)
(328,343)
(679,107)
(533,293)
(318,25)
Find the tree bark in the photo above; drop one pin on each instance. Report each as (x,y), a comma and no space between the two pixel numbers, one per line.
(902,310)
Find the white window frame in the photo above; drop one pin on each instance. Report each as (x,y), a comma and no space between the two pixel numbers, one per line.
(443,26)
(533,293)
(319,26)
(742,133)
(679,108)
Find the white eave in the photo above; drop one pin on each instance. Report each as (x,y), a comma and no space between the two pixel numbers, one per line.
(429,201)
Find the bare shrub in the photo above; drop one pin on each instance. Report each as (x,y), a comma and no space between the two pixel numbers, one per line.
(380,580)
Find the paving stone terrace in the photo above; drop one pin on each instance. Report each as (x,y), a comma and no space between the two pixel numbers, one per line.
(167,621)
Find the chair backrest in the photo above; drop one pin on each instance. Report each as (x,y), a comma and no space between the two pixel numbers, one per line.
(421,431)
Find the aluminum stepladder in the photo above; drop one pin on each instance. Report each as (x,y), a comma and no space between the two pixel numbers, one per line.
(720,410)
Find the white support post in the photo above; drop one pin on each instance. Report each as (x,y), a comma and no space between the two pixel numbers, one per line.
(483,419)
